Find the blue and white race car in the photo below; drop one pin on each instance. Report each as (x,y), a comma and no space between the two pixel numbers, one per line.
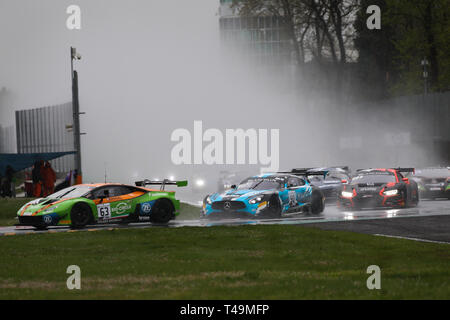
(269,195)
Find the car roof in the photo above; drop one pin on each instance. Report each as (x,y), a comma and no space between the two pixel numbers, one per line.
(96,185)
(274,175)
(392,171)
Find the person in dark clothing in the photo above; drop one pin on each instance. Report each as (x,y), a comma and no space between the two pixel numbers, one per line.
(9,180)
(1,186)
(7,184)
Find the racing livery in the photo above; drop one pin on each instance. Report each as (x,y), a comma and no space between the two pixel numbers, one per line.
(83,204)
(268,195)
(331,183)
(433,182)
(373,188)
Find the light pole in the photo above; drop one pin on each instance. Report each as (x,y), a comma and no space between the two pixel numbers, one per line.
(76,115)
(425,65)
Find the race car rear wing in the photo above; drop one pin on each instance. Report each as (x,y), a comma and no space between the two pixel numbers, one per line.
(307,172)
(303,172)
(163,183)
(406,170)
(396,169)
(345,168)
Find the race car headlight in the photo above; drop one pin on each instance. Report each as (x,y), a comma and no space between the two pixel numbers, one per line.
(256,199)
(208,200)
(390,192)
(347,194)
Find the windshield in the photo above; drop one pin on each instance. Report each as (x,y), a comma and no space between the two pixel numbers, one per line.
(71,192)
(315,179)
(330,177)
(336,176)
(260,184)
(381,177)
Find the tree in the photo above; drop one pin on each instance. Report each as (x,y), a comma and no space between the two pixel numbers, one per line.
(320,31)
(411,30)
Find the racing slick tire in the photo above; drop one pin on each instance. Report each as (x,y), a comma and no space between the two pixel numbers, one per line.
(317,205)
(415,199)
(274,207)
(162,211)
(80,215)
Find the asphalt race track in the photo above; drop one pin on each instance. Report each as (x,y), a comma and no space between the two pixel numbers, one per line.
(429,221)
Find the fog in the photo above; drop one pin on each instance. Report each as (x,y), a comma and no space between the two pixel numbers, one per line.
(150,67)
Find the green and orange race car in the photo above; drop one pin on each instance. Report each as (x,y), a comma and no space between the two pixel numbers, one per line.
(80,205)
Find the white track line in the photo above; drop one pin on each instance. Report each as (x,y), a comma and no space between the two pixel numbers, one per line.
(408,238)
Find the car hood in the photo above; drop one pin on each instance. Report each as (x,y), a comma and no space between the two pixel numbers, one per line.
(236,194)
(41,206)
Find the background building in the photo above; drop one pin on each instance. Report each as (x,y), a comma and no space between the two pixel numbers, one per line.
(7,139)
(261,40)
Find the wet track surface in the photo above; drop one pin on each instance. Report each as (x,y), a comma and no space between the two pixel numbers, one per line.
(434,215)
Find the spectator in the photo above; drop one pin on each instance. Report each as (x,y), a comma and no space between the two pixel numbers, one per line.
(1,186)
(6,184)
(37,179)
(9,185)
(49,179)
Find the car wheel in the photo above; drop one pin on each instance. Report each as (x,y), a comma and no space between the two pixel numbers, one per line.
(316,203)
(416,198)
(274,207)
(80,215)
(162,211)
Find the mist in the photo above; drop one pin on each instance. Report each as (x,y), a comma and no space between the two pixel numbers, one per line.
(150,67)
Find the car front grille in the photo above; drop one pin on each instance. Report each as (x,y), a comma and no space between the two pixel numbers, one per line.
(31,221)
(228,205)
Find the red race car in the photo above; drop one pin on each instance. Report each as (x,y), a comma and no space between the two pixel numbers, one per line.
(379,188)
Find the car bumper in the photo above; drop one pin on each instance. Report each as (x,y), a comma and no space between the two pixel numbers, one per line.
(39,221)
(371,201)
(246,210)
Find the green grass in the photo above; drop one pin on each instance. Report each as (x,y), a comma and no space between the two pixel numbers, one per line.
(9,207)
(244,262)
(8,210)
(188,212)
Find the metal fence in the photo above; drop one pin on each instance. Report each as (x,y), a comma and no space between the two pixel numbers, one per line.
(45,130)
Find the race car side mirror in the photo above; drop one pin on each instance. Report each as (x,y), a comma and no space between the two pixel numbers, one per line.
(344,181)
(405,179)
(233,186)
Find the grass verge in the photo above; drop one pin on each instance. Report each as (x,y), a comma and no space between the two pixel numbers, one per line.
(244,262)
(8,210)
